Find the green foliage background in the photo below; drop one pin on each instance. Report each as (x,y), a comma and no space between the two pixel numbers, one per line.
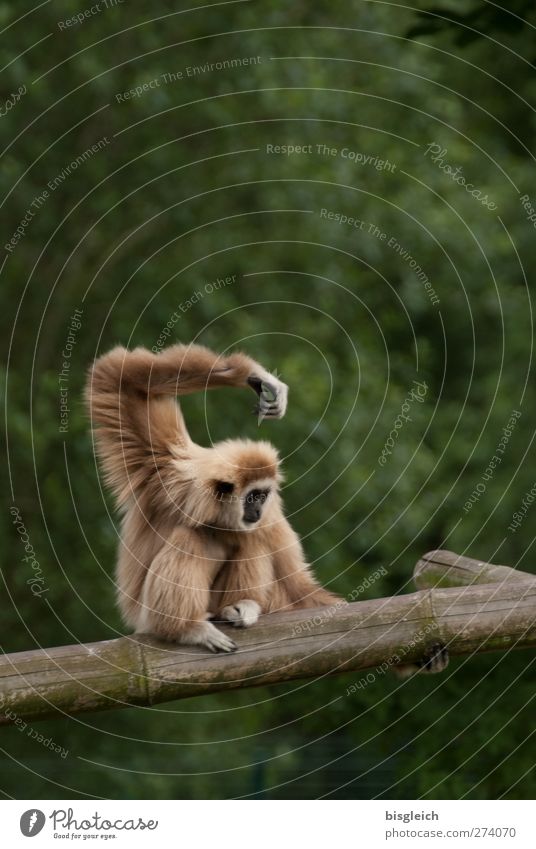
(185,192)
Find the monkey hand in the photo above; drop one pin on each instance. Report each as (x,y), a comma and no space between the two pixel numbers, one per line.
(243,614)
(273,395)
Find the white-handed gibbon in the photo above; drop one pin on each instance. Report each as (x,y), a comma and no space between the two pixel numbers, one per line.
(203,533)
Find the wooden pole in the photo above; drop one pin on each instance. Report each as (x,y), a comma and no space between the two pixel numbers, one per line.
(139,670)
(447,569)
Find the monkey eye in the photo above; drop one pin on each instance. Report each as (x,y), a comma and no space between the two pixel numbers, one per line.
(224,487)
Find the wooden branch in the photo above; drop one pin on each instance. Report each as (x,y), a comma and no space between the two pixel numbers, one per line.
(281,647)
(447,569)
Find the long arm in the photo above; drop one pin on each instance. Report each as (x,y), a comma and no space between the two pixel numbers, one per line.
(295,585)
(178,370)
(130,398)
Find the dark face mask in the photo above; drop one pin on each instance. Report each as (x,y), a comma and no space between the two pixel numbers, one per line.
(253,505)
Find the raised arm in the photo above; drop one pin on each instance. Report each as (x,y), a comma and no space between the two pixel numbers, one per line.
(183,369)
(129,396)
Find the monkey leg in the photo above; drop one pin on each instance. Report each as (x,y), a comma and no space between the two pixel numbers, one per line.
(302,591)
(175,597)
(241,590)
(295,586)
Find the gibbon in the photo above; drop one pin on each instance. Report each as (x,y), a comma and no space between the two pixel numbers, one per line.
(203,535)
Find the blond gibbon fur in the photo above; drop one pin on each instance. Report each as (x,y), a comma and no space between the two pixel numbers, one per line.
(203,534)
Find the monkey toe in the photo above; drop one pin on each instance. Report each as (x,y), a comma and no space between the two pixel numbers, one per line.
(221,644)
(207,635)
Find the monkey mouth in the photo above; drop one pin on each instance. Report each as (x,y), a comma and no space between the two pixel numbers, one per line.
(249,524)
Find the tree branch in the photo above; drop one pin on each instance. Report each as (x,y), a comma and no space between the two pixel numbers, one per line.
(447,569)
(282,646)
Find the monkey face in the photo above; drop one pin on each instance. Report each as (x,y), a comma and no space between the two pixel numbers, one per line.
(253,505)
(234,485)
(242,510)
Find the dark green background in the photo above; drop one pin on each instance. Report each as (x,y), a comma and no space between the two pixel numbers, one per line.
(185,192)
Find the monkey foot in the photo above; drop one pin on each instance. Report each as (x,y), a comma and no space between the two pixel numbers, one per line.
(435,659)
(207,635)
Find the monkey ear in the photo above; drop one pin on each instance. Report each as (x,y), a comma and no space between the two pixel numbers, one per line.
(223,487)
